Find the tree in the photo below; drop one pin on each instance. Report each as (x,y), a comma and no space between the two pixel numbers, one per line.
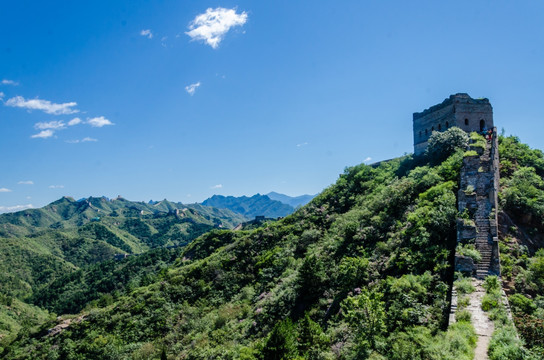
(311,338)
(442,144)
(281,343)
(365,313)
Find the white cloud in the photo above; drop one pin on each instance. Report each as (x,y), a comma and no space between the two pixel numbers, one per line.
(7,209)
(55,125)
(99,121)
(147,33)
(43,105)
(26,182)
(74,121)
(192,88)
(44,134)
(56,186)
(367,159)
(2,190)
(302,144)
(2,95)
(9,82)
(218,186)
(212,26)
(77,141)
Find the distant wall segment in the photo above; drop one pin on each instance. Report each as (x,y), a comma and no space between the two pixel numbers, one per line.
(458,110)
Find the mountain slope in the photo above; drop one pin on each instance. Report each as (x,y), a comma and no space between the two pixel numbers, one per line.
(380,238)
(256,205)
(362,272)
(38,245)
(294,201)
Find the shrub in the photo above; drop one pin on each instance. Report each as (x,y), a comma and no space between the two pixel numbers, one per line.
(462,302)
(505,345)
(491,284)
(463,315)
(464,286)
(470,251)
(442,144)
(490,301)
(522,304)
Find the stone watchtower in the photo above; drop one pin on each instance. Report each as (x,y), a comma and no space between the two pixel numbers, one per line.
(458,110)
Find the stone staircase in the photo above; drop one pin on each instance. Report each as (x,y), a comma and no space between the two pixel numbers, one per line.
(477,202)
(478,197)
(484,239)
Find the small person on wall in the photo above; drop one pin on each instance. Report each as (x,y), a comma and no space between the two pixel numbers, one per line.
(489,135)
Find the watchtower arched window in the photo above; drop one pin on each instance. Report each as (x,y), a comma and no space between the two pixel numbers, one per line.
(447,125)
(482,125)
(420,134)
(432,129)
(426,132)
(466,122)
(439,127)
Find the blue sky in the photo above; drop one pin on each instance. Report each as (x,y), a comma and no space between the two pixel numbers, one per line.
(167,99)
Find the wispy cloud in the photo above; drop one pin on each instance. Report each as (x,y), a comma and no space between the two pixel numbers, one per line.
(7,209)
(4,190)
(212,26)
(9,82)
(218,186)
(74,121)
(44,134)
(367,159)
(54,125)
(26,182)
(56,186)
(192,88)
(2,95)
(147,33)
(99,122)
(77,141)
(302,144)
(43,105)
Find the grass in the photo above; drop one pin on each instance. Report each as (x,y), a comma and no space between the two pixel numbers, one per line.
(464,285)
(505,343)
(470,153)
(470,251)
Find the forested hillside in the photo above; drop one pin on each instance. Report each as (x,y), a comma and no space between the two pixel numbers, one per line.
(365,263)
(522,240)
(256,205)
(361,272)
(41,246)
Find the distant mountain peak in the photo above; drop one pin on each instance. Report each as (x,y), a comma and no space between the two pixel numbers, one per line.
(294,201)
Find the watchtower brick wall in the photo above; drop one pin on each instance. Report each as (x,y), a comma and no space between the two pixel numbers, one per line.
(458,110)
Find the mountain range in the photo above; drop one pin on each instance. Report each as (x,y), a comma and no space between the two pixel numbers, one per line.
(363,271)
